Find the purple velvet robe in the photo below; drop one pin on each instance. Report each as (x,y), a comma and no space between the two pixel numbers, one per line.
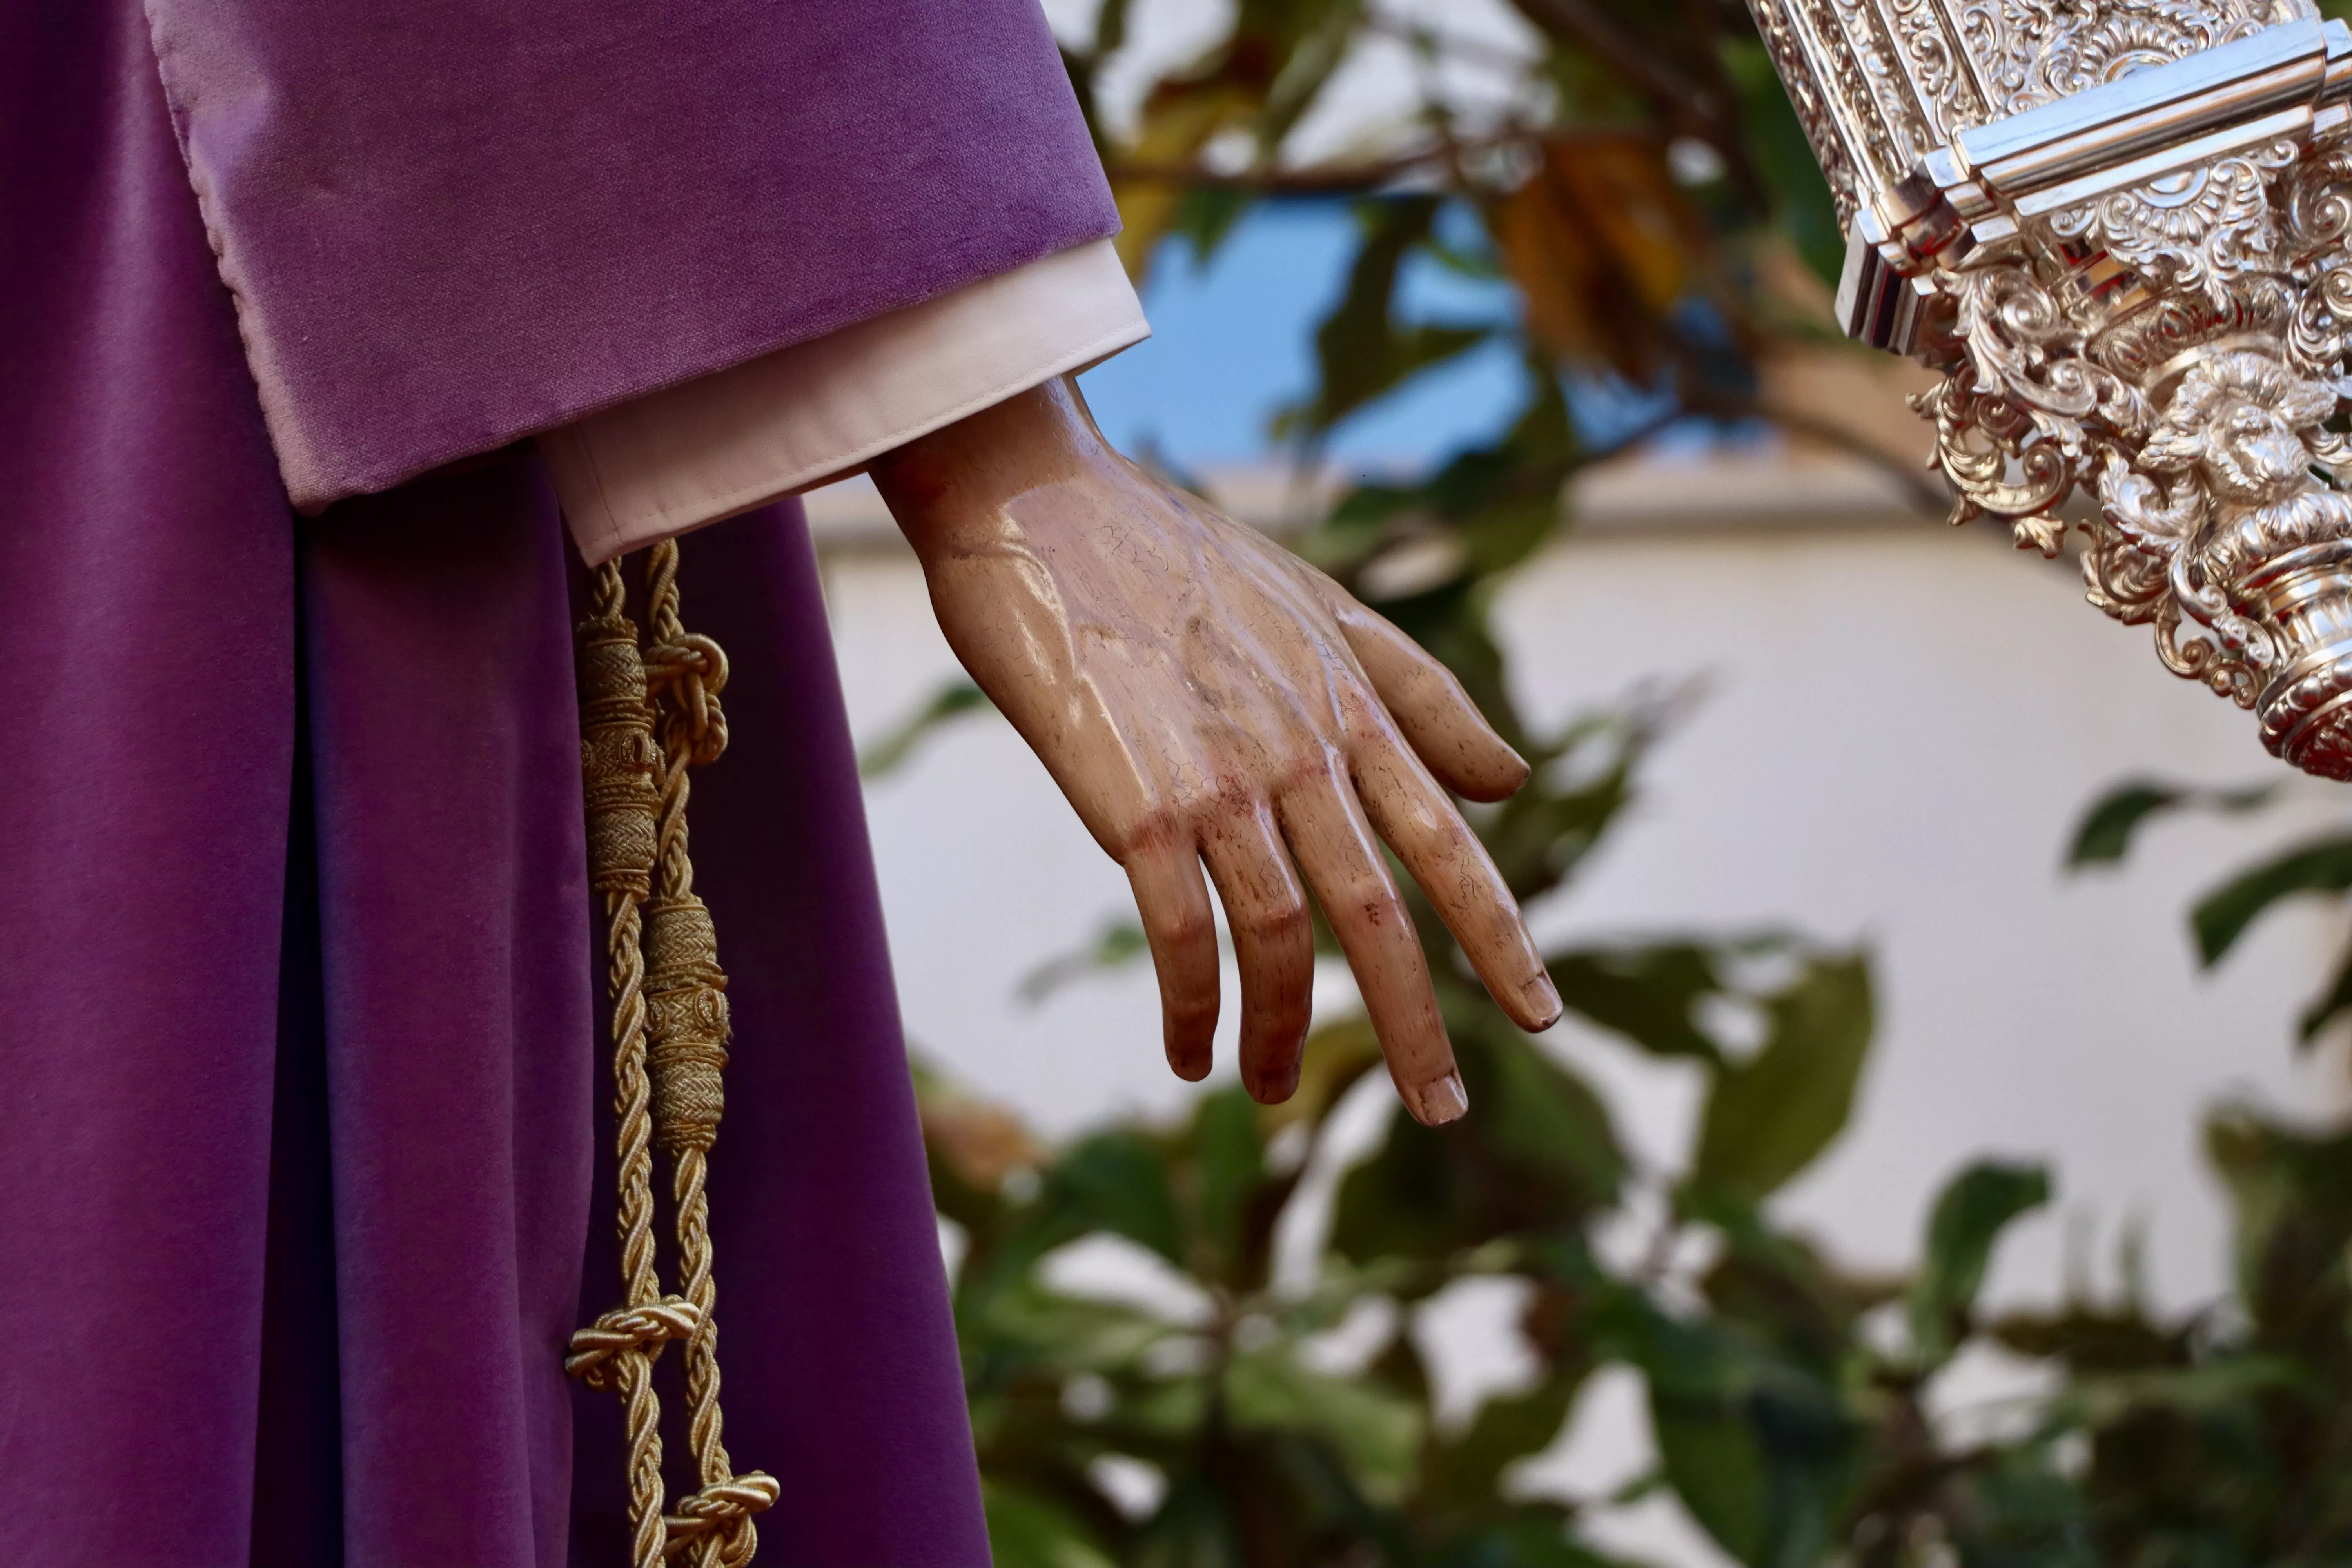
(298,977)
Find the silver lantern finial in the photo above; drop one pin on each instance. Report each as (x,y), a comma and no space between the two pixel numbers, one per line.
(2119,228)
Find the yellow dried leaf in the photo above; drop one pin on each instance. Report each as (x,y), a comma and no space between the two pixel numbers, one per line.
(1178,118)
(1599,241)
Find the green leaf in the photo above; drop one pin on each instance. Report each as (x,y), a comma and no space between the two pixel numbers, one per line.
(1196,1527)
(2104,836)
(1466,1473)
(1033,1329)
(1777,140)
(2106,1399)
(1541,833)
(2090,1338)
(1648,994)
(1970,1215)
(1704,1381)
(1318,35)
(1362,350)
(1776,1287)
(1769,1118)
(1335,1056)
(1544,1123)
(1026,1532)
(1716,1465)
(1793,1430)
(1536,1154)
(1230,1162)
(2330,1006)
(1119,943)
(2221,917)
(1207,217)
(1500,502)
(1110,29)
(1523,1536)
(2291,1191)
(1117,1182)
(2016,1508)
(1528,1535)
(951,701)
(1377,1431)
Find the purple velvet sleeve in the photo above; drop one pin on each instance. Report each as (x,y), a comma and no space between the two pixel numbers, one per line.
(449,224)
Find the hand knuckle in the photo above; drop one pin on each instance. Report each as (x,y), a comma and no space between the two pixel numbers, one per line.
(1280,921)
(1192,1011)
(1189,929)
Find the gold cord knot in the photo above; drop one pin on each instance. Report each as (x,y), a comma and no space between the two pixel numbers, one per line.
(694,668)
(598,1348)
(722,1507)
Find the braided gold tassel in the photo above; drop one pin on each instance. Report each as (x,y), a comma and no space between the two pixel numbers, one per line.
(669,1044)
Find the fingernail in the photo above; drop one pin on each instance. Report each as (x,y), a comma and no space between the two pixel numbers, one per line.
(1542,999)
(1435,1104)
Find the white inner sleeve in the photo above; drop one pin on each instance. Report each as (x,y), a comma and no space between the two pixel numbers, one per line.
(660,465)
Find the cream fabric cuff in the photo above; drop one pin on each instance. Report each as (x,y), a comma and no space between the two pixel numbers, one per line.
(660,465)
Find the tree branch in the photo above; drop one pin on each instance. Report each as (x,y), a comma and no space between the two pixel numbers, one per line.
(1323,179)
(1357,180)
(1927,494)
(1493,57)
(1706,25)
(1587,24)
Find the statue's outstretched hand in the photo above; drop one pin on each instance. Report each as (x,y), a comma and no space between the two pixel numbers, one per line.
(1202,695)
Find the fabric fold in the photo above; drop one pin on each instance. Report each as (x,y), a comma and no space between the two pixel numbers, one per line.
(450,226)
(147,602)
(658,466)
(453,910)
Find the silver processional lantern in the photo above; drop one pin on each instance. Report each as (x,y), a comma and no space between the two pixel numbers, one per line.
(2119,228)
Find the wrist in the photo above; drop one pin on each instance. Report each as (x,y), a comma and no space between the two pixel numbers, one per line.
(947,487)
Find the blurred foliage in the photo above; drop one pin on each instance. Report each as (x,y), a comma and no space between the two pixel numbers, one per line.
(1630,168)
(1265,1397)
(1637,177)
(2319,866)
(2106,834)
(1274,1442)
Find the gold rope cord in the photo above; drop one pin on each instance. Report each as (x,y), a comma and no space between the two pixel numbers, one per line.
(686,991)
(618,761)
(669,1037)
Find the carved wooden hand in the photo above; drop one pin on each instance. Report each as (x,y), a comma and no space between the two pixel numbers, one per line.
(1202,695)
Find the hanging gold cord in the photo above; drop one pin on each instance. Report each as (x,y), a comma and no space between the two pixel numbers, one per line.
(673,1022)
(686,991)
(618,763)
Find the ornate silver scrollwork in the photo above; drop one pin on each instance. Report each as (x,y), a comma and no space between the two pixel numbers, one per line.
(2120,228)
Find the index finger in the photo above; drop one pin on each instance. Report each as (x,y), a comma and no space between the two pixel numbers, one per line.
(1429,704)
(1457,874)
